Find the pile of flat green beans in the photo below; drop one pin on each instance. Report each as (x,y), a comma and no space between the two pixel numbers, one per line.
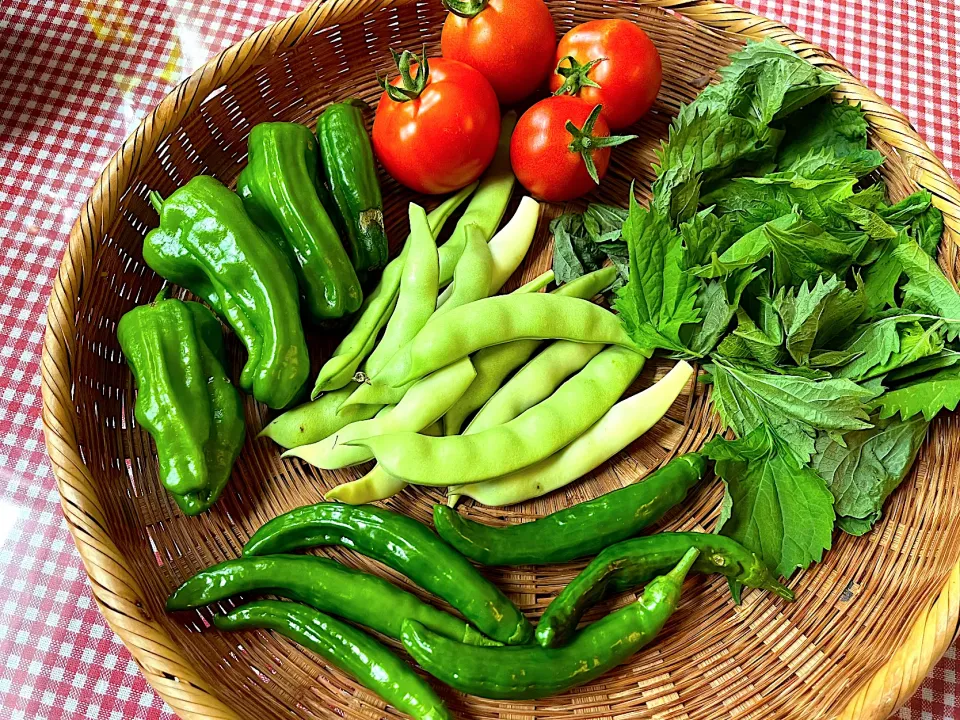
(525,386)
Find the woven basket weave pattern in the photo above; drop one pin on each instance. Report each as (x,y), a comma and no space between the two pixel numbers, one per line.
(815,658)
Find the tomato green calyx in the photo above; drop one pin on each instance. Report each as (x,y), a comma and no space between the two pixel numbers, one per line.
(465,8)
(576,76)
(411,85)
(585,142)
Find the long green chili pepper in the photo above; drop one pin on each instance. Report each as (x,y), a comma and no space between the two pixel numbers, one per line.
(325,585)
(632,563)
(577,531)
(408,547)
(522,673)
(349,649)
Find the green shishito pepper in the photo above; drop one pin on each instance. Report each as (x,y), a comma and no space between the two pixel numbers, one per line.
(632,563)
(325,585)
(408,547)
(578,531)
(279,191)
(352,176)
(184,397)
(207,244)
(347,648)
(531,672)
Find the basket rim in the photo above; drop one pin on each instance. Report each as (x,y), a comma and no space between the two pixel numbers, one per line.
(116,591)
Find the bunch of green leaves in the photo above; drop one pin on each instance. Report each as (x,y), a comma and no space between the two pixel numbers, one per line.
(829,331)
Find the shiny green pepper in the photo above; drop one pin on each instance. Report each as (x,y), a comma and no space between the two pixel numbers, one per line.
(208,244)
(279,191)
(184,397)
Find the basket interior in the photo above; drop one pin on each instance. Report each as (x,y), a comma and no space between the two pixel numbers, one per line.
(713,660)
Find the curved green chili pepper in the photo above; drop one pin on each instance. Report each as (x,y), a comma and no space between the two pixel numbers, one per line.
(345,647)
(577,531)
(324,585)
(377,308)
(207,243)
(524,673)
(633,563)
(408,547)
(278,188)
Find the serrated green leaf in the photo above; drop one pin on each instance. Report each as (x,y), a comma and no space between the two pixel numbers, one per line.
(869,465)
(793,407)
(801,311)
(928,395)
(805,251)
(660,297)
(943,359)
(839,127)
(718,302)
(928,289)
(778,506)
(870,222)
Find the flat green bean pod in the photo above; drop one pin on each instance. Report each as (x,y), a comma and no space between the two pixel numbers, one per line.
(315,420)
(408,547)
(325,585)
(487,205)
(345,647)
(502,319)
(472,276)
(377,308)
(533,383)
(577,531)
(418,292)
(426,402)
(378,393)
(632,563)
(530,672)
(620,426)
(534,435)
(376,485)
(494,364)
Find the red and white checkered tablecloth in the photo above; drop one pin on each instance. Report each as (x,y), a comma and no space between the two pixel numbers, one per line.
(75,77)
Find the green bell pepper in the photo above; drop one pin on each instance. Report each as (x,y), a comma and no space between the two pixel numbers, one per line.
(208,244)
(184,398)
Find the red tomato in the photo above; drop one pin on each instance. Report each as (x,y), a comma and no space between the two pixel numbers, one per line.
(627,68)
(512,42)
(445,136)
(551,160)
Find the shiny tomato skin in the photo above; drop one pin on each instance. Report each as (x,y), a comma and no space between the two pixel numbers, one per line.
(629,78)
(540,152)
(511,42)
(445,138)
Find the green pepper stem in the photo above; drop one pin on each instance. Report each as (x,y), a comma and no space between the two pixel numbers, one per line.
(679,572)
(586,143)
(575,76)
(411,85)
(156,199)
(465,8)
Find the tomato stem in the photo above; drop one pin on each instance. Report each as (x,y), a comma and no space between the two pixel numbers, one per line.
(411,85)
(575,77)
(465,8)
(586,143)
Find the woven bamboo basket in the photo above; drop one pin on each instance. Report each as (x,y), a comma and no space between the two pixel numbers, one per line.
(870,620)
